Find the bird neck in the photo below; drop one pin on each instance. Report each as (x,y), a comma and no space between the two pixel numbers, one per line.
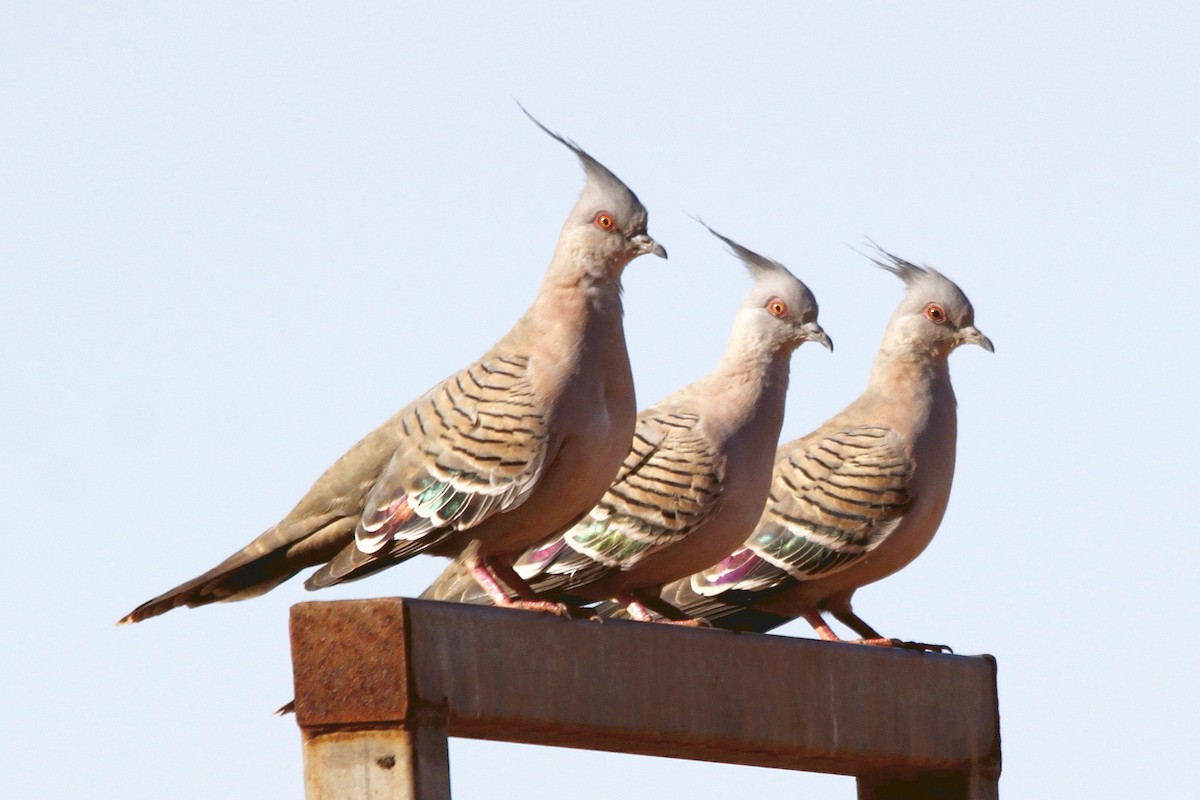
(576,324)
(578,262)
(575,295)
(749,386)
(906,386)
(748,357)
(906,358)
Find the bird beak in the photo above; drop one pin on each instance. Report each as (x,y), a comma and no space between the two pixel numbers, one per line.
(972,335)
(815,333)
(647,245)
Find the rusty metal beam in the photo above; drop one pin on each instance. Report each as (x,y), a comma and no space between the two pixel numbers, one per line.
(893,718)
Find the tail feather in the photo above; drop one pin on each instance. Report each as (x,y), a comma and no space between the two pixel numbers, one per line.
(351,564)
(348,564)
(731,610)
(456,584)
(268,561)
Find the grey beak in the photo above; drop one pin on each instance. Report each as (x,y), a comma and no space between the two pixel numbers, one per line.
(972,335)
(647,245)
(815,333)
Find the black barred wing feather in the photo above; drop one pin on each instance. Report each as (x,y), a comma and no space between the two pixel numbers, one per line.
(830,504)
(473,446)
(669,483)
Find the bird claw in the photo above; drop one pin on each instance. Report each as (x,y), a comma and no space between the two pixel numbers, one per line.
(694,622)
(903,645)
(590,614)
(545,606)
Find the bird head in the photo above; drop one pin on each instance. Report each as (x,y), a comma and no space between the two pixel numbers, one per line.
(780,309)
(607,227)
(934,316)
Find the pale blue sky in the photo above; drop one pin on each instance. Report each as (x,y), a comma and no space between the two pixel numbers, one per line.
(237,236)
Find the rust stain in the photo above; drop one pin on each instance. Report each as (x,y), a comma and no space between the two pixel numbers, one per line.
(350,662)
(427,668)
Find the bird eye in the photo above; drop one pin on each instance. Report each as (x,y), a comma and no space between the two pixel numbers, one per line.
(935,313)
(604,221)
(776,307)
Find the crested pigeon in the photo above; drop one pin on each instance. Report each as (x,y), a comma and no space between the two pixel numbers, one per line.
(697,473)
(498,456)
(861,496)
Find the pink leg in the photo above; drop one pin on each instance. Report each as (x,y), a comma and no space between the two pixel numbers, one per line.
(638,610)
(873,637)
(487,574)
(820,626)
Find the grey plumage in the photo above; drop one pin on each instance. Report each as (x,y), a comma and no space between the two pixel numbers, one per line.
(860,497)
(499,455)
(695,478)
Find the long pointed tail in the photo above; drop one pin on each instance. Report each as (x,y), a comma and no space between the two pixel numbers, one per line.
(268,561)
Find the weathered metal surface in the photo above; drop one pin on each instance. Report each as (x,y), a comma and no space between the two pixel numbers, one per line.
(378,764)
(928,787)
(648,689)
(349,662)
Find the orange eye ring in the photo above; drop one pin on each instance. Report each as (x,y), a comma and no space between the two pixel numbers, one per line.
(935,314)
(776,307)
(604,221)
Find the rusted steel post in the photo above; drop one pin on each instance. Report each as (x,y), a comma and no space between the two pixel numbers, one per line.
(929,787)
(387,764)
(363,735)
(902,722)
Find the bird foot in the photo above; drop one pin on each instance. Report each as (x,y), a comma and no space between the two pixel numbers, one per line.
(665,614)
(695,622)
(899,643)
(545,606)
